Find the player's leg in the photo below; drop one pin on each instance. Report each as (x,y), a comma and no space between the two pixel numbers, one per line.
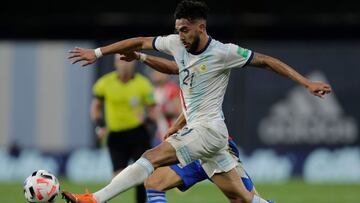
(245,178)
(234,190)
(229,184)
(132,175)
(185,147)
(222,168)
(140,145)
(177,148)
(135,174)
(166,178)
(161,180)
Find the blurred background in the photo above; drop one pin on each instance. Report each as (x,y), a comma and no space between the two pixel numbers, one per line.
(296,147)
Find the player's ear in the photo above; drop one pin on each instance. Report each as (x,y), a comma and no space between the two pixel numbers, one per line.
(202,26)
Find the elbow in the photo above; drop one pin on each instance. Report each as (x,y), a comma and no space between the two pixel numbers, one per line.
(174,72)
(140,39)
(267,62)
(140,42)
(174,69)
(144,42)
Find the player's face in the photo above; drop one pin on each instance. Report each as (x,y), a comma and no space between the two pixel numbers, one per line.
(189,33)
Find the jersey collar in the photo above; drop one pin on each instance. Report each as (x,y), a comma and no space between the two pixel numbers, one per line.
(202,50)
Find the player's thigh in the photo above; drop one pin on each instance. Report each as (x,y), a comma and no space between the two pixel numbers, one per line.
(246,179)
(161,155)
(163,179)
(229,184)
(197,142)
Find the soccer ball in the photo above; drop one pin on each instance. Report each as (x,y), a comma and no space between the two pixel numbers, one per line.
(41,186)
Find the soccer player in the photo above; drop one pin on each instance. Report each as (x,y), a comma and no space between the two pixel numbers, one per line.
(166,178)
(204,69)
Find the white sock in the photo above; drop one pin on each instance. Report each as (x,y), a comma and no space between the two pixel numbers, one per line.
(257,199)
(131,176)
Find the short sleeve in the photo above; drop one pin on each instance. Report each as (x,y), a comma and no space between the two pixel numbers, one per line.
(166,44)
(99,88)
(237,57)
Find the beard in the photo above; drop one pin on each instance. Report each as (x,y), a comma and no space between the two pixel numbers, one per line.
(194,46)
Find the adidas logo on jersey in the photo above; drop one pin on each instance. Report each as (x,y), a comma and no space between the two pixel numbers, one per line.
(302,118)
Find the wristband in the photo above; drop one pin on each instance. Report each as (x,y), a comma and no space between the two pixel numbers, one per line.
(142,57)
(98,53)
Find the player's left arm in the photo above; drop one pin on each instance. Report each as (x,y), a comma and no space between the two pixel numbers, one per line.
(316,88)
(89,56)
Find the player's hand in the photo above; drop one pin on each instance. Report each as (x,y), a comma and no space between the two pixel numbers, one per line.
(100,132)
(169,132)
(131,56)
(319,89)
(80,54)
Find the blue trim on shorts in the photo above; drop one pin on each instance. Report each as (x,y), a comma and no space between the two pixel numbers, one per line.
(190,174)
(234,148)
(194,173)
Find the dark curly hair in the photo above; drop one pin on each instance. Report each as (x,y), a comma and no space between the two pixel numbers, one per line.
(191,10)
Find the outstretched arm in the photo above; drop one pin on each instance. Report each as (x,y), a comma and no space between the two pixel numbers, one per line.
(157,63)
(90,55)
(263,61)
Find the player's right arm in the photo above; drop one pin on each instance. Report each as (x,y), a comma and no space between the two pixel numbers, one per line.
(240,57)
(316,88)
(179,123)
(89,56)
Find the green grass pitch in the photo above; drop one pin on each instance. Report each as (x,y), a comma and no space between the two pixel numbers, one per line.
(294,191)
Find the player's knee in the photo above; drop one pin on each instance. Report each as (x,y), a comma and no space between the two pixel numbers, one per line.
(158,158)
(150,156)
(154,184)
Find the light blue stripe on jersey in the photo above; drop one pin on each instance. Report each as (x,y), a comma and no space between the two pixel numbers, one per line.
(184,152)
(155,196)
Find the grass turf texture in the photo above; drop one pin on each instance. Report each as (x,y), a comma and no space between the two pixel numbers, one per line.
(294,191)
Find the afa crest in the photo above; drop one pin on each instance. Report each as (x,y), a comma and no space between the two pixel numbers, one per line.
(202,68)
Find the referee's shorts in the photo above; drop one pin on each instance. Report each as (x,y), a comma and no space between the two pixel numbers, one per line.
(126,145)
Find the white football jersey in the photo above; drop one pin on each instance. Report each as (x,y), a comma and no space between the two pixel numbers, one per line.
(203,76)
